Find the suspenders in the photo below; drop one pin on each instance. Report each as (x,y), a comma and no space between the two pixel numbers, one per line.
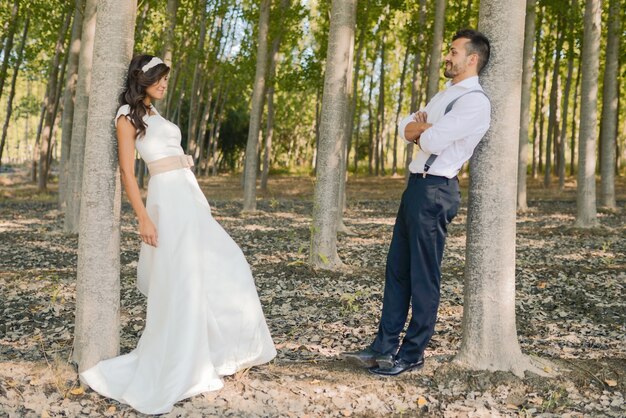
(432,157)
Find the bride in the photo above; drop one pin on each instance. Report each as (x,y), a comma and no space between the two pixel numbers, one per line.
(204,319)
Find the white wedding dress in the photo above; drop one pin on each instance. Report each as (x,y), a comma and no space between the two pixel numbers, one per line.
(204,318)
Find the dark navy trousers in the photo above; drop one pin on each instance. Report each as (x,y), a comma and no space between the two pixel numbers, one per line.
(413,270)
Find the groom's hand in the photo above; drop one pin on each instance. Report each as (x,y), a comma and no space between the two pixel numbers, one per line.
(414,129)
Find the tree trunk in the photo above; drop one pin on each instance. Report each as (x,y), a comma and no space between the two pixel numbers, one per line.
(355,83)
(489,332)
(79,123)
(273,58)
(535,150)
(192,123)
(553,120)
(256,110)
(542,103)
(168,45)
(55,114)
(68,100)
(16,70)
(522,161)
(434,69)
(586,187)
(46,133)
(566,97)
(394,165)
(336,98)
(370,118)
(8,44)
(610,93)
(574,120)
(98,284)
(416,83)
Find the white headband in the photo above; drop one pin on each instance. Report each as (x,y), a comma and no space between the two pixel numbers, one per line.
(152,63)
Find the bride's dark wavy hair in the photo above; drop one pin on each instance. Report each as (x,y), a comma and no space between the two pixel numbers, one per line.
(135,89)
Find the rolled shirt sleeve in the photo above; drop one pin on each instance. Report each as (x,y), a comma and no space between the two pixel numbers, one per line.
(469,116)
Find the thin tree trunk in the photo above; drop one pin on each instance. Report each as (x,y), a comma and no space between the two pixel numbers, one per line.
(79,123)
(269,131)
(489,332)
(416,83)
(574,120)
(553,120)
(434,69)
(16,70)
(336,99)
(586,186)
(535,150)
(69,100)
(610,92)
(168,44)
(370,114)
(394,166)
(46,134)
(522,159)
(56,115)
(8,44)
(256,110)
(98,283)
(566,97)
(542,105)
(194,98)
(355,83)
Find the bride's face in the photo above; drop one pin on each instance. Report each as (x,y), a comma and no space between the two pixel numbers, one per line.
(157,90)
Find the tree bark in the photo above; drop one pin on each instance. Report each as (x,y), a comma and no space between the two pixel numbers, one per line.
(336,98)
(394,165)
(522,159)
(566,95)
(168,45)
(8,45)
(16,70)
(269,131)
(69,99)
(98,283)
(256,110)
(586,187)
(553,119)
(610,92)
(46,133)
(574,120)
(434,69)
(194,98)
(416,83)
(79,123)
(489,331)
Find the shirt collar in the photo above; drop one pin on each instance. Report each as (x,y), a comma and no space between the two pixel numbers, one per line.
(467,83)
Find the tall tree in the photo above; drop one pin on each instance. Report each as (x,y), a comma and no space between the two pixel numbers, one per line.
(586,187)
(98,283)
(8,44)
(522,162)
(489,332)
(434,68)
(555,90)
(335,102)
(16,70)
(79,123)
(256,110)
(416,80)
(69,98)
(610,92)
(50,113)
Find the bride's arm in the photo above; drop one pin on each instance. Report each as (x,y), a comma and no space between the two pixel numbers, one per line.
(126,135)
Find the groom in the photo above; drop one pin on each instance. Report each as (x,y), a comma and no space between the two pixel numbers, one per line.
(446,131)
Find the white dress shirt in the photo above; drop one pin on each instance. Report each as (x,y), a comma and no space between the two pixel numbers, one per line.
(453,136)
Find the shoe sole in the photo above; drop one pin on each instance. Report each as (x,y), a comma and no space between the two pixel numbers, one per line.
(360,362)
(385,363)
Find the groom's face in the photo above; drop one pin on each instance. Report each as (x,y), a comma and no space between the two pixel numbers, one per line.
(456,61)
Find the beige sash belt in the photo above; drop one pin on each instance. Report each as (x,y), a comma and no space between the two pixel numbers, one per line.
(174,162)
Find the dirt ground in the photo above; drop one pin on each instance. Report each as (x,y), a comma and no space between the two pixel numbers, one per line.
(570,306)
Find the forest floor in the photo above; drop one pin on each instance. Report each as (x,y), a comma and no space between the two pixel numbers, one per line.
(570,309)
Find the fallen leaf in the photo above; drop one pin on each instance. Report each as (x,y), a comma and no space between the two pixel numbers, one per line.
(77,391)
(611,382)
(421,401)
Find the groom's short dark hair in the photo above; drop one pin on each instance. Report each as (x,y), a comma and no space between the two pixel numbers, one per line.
(478,44)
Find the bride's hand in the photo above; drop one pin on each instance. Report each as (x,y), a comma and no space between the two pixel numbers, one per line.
(148,232)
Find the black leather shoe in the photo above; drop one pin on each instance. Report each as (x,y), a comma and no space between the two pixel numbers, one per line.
(367,358)
(399,366)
